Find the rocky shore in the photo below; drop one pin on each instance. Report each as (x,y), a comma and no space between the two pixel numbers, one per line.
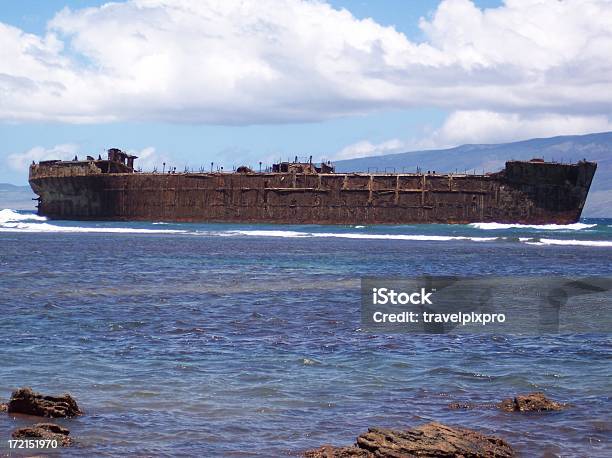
(47,431)
(28,402)
(436,439)
(428,440)
(532,402)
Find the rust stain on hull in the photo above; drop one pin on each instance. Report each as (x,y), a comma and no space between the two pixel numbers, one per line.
(527,192)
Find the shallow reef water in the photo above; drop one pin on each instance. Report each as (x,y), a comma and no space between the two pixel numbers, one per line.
(245,340)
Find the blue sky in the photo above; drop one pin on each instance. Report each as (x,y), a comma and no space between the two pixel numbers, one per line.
(32,15)
(376,102)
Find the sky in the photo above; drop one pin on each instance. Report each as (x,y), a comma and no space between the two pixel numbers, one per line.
(237,82)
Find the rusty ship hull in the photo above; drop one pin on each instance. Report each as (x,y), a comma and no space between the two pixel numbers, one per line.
(525,192)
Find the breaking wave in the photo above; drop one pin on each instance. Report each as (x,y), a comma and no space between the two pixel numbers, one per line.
(15,221)
(422,238)
(349,235)
(7,215)
(544,227)
(45,227)
(12,221)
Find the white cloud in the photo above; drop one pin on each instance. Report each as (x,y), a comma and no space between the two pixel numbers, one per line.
(20,162)
(293,60)
(148,158)
(479,126)
(490,127)
(365,148)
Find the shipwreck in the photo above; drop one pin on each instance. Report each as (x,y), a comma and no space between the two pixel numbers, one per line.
(293,192)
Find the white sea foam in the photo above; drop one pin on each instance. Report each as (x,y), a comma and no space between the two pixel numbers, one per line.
(594,243)
(8,215)
(46,227)
(12,221)
(350,235)
(544,227)
(262,233)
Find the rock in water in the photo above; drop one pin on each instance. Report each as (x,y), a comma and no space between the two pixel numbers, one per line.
(48,431)
(532,402)
(26,401)
(430,440)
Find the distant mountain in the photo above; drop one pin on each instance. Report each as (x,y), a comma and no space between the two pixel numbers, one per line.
(16,197)
(569,148)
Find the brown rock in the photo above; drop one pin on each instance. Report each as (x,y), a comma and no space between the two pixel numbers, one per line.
(430,440)
(26,401)
(3,407)
(48,431)
(532,402)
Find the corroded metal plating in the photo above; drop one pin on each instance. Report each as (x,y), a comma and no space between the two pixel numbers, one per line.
(533,192)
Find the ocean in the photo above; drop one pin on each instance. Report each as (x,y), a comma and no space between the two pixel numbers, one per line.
(246,340)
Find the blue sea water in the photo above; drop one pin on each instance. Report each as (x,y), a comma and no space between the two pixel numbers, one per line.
(245,340)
